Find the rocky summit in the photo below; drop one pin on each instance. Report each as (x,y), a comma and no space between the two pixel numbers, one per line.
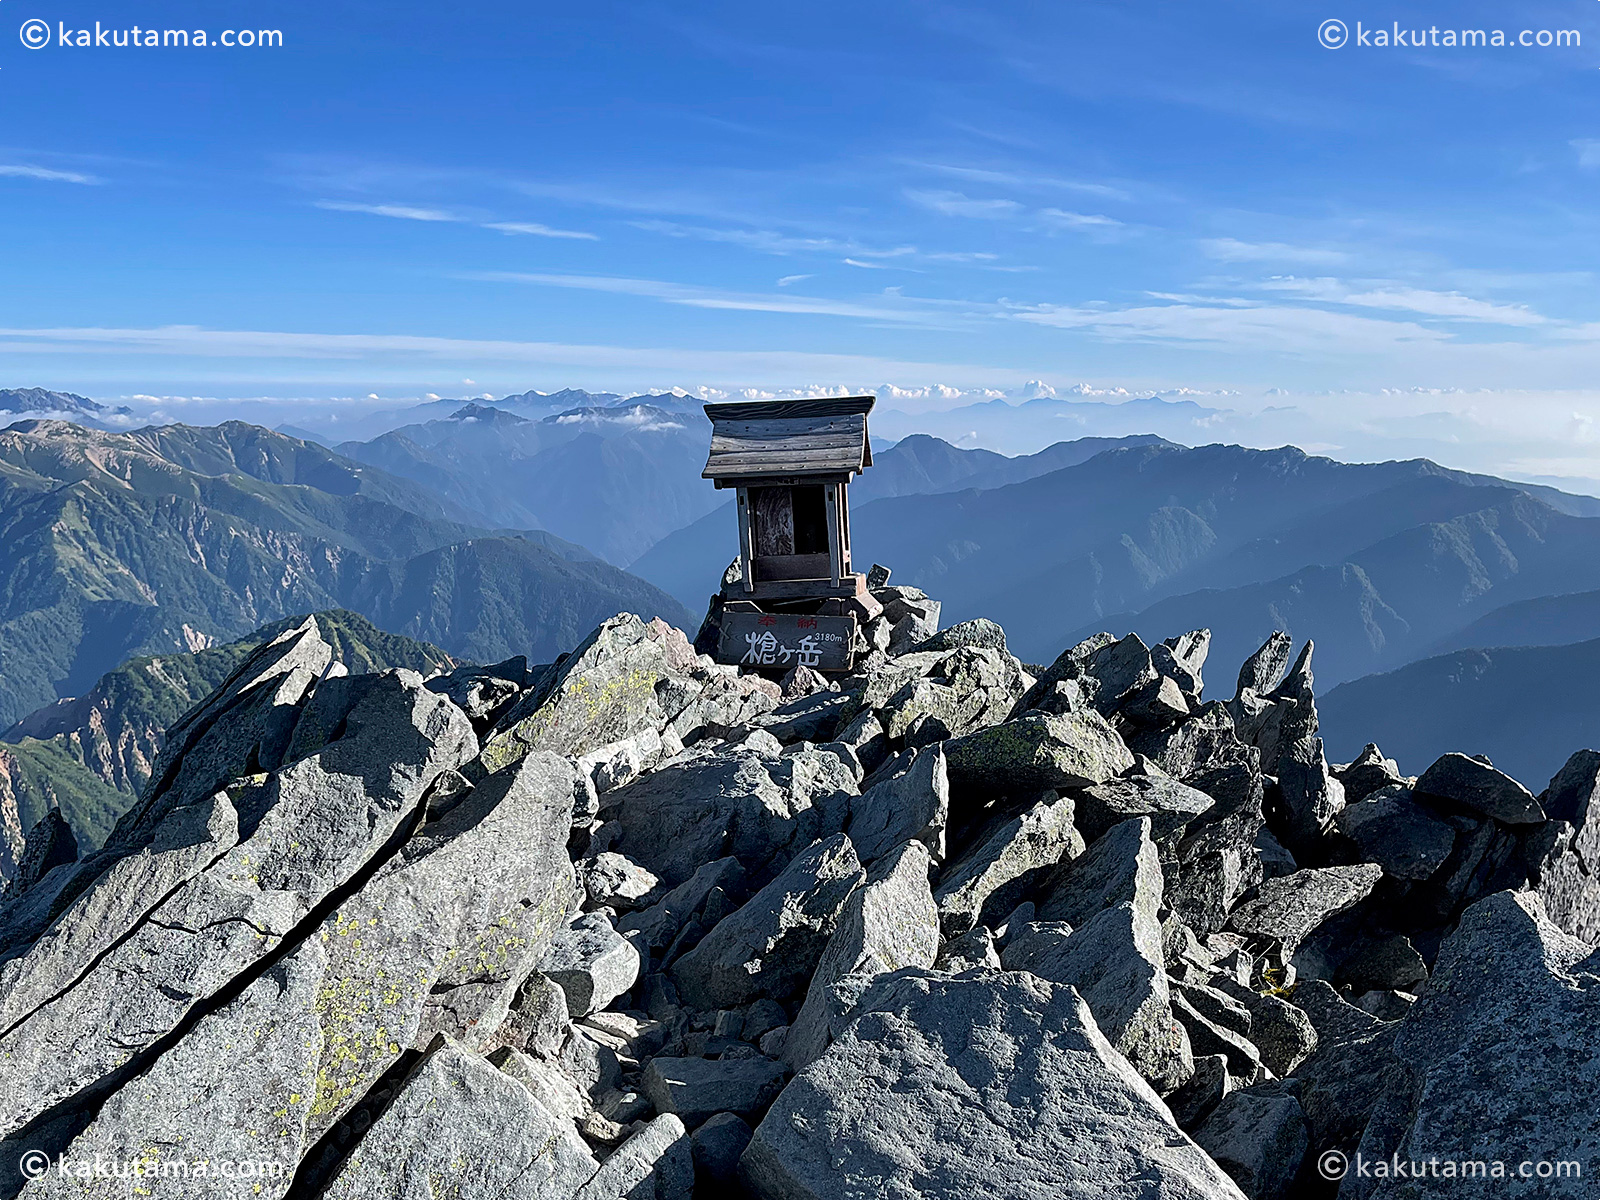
(636,924)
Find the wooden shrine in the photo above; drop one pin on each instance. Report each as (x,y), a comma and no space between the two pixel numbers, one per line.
(791,462)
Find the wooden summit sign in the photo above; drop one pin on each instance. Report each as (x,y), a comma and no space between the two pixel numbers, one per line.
(784,640)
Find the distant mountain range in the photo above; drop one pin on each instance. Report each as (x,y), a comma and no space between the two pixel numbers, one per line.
(90,756)
(171,539)
(495,529)
(1378,562)
(41,403)
(614,477)
(1525,707)
(1016,428)
(689,563)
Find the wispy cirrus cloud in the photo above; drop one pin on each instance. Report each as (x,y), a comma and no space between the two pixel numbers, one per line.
(889,307)
(401,212)
(768,241)
(408,212)
(47,174)
(1014,212)
(1588,152)
(1280,328)
(1453,306)
(1232,250)
(1023,180)
(958,204)
(534,229)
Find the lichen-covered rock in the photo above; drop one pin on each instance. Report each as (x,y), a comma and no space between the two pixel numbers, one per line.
(313,824)
(444,934)
(237,1087)
(979,632)
(1029,754)
(995,1085)
(772,944)
(459,1127)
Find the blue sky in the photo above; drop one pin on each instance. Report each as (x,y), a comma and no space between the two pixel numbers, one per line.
(1147,196)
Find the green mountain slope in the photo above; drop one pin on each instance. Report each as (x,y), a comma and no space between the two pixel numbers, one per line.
(90,756)
(117,545)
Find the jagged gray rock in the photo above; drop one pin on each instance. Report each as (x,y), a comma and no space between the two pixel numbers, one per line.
(313,823)
(1029,754)
(913,801)
(183,1107)
(1397,833)
(444,934)
(1282,1032)
(1195,1100)
(1496,1059)
(616,881)
(717,1147)
(591,963)
(1369,773)
(1287,909)
(1477,787)
(1341,1082)
(1170,805)
(460,1127)
(1567,873)
(1114,961)
(658,925)
(888,923)
(733,801)
(1182,658)
(980,632)
(50,844)
(1207,1037)
(1262,670)
(772,944)
(697,1088)
(1121,867)
(926,1094)
(1258,1136)
(657,1163)
(991,879)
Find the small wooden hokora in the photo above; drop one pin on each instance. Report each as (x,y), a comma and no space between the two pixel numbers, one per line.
(797,601)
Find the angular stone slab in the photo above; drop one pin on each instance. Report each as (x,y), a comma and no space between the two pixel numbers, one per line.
(985,1084)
